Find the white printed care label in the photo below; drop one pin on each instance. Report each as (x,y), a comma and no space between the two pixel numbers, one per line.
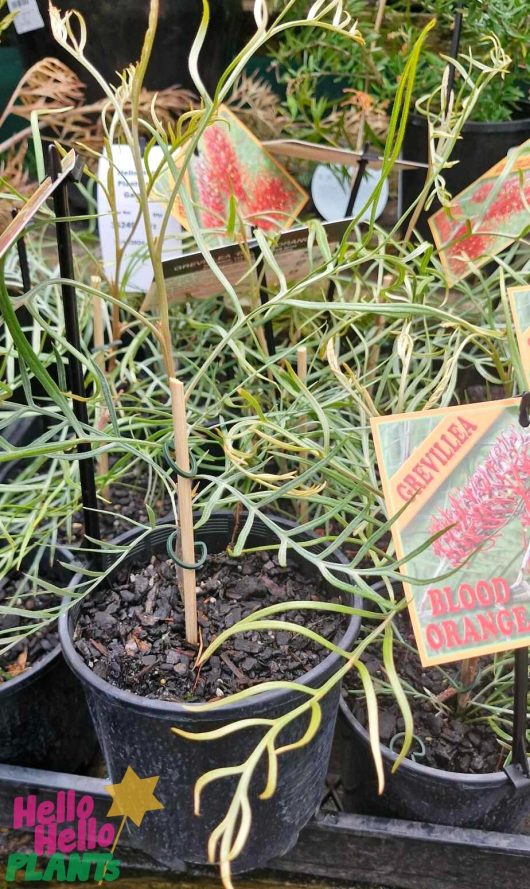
(27,15)
(135,271)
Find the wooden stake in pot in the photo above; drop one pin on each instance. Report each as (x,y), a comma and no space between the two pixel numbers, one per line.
(301,370)
(185,502)
(99,358)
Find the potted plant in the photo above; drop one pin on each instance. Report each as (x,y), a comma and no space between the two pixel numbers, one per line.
(297,714)
(454,774)
(501,118)
(332,473)
(463,711)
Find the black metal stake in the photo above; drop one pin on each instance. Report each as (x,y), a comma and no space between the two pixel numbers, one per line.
(264,299)
(455,48)
(362,163)
(23,259)
(518,771)
(520,709)
(75,368)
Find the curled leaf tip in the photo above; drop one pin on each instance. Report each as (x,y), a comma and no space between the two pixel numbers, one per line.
(261,14)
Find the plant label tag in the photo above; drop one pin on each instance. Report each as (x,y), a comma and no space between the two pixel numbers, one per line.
(27,15)
(35,202)
(124,231)
(331,187)
(235,183)
(296,252)
(485,218)
(520,304)
(457,481)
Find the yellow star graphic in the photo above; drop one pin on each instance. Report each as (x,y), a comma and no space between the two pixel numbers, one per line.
(133,797)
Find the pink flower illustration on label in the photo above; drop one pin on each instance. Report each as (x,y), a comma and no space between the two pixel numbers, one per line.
(232,166)
(496,492)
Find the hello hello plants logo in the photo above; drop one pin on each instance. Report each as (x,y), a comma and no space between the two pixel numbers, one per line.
(69,845)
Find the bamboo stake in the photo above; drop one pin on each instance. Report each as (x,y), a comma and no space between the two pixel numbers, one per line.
(301,362)
(185,508)
(99,358)
(301,370)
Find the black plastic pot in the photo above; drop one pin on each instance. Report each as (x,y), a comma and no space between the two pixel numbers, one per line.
(44,719)
(420,793)
(482,145)
(136,731)
(116,30)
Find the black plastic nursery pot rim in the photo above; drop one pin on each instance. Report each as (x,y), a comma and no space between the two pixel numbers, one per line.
(44,664)
(31,675)
(441,776)
(229,710)
(44,719)
(482,126)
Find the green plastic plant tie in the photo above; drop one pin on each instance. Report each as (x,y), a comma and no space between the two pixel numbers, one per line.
(170,548)
(182,472)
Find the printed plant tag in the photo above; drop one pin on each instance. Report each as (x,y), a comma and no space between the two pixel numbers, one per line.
(232,167)
(485,218)
(520,304)
(462,473)
(135,270)
(28,17)
(190,276)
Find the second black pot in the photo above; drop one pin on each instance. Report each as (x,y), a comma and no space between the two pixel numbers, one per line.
(44,720)
(420,793)
(136,731)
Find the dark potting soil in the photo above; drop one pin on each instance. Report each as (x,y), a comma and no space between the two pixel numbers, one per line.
(450,742)
(26,653)
(133,636)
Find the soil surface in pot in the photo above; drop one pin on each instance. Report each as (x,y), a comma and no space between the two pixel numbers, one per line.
(30,650)
(450,742)
(133,636)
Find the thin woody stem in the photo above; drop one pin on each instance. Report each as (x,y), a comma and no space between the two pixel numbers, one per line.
(468,675)
(154,254)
